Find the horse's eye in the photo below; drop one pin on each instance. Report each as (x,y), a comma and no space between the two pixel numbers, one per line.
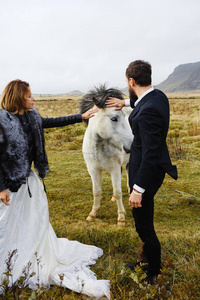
(114,119)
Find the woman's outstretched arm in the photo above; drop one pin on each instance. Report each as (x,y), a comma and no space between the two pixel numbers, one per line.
(67,120)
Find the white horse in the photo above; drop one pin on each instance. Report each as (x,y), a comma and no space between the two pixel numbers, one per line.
(107,142)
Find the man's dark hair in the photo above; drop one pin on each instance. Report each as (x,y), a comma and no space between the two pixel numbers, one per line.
(140,71)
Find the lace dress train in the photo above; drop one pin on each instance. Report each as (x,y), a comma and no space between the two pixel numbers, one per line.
(25,227)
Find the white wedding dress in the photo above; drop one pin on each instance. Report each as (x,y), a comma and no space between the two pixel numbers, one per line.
(25,227)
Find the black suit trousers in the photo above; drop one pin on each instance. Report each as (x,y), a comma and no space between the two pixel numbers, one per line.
(144,223)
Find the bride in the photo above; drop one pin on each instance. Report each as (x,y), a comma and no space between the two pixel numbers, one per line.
(27,239)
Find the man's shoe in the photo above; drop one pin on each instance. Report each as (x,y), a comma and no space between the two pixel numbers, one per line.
(132,266)
(151,281)
(167,288)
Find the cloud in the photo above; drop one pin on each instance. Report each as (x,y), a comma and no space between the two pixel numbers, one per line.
(62,45)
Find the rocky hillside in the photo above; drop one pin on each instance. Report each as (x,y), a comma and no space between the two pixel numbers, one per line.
(184,78)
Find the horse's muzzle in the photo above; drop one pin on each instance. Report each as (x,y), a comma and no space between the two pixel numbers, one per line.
(127,150)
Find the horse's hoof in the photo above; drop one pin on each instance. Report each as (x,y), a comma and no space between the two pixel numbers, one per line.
(121,223)
(113,199)
(90,218)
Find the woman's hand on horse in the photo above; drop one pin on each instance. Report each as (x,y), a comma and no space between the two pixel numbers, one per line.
(89,113)
(4,197)
(115,102)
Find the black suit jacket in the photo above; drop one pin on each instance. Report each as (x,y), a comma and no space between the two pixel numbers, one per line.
(149,156)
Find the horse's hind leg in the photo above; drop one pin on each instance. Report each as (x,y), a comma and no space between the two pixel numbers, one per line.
(96,182)
(117,195)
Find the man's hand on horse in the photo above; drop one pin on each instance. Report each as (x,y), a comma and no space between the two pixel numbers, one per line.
(115,102)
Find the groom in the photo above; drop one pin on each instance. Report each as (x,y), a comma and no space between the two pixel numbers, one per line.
(149,158)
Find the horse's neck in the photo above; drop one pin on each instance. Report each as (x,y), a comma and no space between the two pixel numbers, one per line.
(96,141)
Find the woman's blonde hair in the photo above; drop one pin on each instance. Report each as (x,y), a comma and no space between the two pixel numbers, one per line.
(13,99)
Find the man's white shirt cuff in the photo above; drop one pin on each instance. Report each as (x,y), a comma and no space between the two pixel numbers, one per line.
(127,102)
(138,188)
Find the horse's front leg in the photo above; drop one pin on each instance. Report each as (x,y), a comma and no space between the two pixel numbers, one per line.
(117,194)
(96,183)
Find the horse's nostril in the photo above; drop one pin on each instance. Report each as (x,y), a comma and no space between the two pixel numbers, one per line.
(127,150)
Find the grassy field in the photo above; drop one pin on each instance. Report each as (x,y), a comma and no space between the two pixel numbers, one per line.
(177,207)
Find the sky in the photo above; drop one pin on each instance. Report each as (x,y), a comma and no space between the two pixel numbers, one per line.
(63,45)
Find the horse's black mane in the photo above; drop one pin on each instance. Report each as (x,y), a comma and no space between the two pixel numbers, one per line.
(98,96)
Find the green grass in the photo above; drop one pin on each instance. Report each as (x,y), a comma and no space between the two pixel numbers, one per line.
(177,209)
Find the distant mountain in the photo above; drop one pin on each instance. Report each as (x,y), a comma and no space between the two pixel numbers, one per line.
(184,78)
(75,93)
